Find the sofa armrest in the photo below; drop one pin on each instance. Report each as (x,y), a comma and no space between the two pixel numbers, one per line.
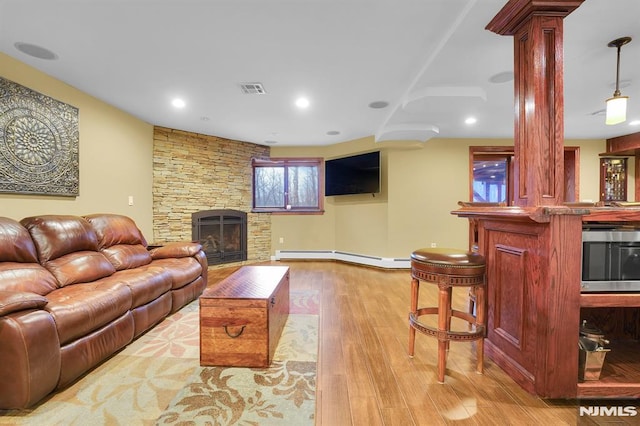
(13,301)
(174,250)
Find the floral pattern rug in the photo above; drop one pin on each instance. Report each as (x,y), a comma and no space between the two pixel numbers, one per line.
(157,380)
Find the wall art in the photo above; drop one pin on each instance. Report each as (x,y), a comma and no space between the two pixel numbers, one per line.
(38,143)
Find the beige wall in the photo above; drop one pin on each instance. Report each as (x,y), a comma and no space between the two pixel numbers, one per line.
(115,156)
(421,182)
(421,185)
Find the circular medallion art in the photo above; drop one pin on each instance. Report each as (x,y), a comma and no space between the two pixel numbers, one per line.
(38,143)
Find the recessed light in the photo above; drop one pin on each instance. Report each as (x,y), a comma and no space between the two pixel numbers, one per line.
(333,133)
(271,142)
(634,123)
(378,104)
(178,103)
(302,103)
(35,51)
(204,118)
(470,120)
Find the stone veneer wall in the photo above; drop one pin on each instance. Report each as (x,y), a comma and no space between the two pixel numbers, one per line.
(194,172)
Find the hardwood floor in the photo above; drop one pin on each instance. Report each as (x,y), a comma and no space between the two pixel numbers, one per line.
(365,376)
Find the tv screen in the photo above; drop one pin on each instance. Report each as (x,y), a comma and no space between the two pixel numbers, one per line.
(358,174)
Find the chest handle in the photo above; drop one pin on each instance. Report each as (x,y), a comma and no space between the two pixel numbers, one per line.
(234,335)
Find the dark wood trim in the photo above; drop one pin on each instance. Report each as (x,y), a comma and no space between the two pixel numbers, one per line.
(603,300)
(613,214)
(516,12)
(636,196)
(571,173)
(624,145)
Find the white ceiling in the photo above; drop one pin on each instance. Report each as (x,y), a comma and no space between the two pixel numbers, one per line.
(430,59)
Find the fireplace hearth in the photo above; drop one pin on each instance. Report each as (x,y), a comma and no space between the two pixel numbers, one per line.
(222,233)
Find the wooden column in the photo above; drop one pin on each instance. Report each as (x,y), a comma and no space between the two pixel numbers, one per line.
(539,102)
(532,249)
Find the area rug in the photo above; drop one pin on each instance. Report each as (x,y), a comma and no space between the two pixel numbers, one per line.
(157,380)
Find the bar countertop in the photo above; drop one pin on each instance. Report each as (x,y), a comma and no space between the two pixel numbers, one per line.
(623,213)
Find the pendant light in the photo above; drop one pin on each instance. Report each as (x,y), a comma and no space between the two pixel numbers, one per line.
(617,105)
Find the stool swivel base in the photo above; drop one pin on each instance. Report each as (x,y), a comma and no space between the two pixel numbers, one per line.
(448,268)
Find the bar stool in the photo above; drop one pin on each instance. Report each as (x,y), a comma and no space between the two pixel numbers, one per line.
(448,268)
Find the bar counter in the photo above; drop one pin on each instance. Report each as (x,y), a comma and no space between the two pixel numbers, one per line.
(533,257)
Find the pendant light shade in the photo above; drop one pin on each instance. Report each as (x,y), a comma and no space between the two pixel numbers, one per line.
(617,105)
(616,110)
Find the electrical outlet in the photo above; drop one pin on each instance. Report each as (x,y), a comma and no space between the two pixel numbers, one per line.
(434,245)
(281,240)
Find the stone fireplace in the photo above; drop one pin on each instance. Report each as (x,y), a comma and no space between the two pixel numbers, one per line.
(222,233)
(194,172)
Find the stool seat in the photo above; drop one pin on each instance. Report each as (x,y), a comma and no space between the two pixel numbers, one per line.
(449,258)
(448,268)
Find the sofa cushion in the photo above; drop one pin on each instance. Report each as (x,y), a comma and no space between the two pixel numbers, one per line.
(13,301)
(30,277)
(127,256)
(82,308)
(113,229)
(19,267)
(176,249)
(145,283)
(57,235)
(120,240)
(80,267)
(183,270)
(16,244)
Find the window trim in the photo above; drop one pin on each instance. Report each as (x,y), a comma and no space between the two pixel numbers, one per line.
(287,162)
(571,169)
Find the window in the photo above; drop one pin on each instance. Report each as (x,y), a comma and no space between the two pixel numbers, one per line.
(287,185)
(491,174)
(490,178)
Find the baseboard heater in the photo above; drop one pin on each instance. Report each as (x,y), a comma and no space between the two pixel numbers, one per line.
(363,259)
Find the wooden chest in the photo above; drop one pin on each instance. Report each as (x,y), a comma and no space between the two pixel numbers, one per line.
(242,317)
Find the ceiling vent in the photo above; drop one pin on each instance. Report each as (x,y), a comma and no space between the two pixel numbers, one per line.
(252,88)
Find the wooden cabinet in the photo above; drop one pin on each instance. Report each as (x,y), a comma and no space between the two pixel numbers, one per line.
(613,179)
(618,314)
(535,306)
(533,299)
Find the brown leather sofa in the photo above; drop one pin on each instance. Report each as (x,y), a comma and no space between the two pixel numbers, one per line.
(74,290)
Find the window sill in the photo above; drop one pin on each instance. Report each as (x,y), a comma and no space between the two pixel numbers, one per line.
(288,212)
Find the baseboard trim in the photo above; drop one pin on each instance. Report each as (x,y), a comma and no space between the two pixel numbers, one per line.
(363,259)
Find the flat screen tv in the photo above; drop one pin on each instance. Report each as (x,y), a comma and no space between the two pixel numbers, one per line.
(357,174)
